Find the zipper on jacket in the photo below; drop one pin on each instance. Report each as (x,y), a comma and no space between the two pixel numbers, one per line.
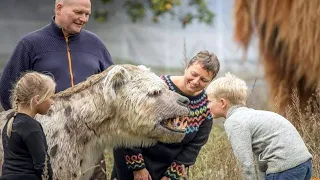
(69,60)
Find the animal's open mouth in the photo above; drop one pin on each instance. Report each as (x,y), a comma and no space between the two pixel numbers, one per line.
(178,124)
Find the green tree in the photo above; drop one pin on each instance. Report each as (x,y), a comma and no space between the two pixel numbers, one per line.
(136,10)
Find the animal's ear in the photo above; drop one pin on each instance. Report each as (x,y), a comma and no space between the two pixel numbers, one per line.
(143,67)
(115,79)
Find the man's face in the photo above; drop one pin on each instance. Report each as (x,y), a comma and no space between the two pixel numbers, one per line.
(72,15)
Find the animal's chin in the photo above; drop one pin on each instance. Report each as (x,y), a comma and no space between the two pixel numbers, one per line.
(175,125)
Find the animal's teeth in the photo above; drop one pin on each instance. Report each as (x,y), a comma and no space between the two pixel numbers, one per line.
(177,123)
(170,123)
(173,123)
(176,120)
(185,123)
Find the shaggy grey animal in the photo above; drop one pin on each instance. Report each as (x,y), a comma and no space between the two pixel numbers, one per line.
(123,106)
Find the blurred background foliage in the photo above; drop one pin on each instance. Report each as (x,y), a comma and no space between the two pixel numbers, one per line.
(137,10)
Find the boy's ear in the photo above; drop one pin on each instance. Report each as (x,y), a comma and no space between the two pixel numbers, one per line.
(224,103)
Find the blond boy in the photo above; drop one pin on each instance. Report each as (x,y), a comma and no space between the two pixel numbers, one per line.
(280,151)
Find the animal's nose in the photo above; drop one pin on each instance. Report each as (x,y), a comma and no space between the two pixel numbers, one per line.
(183,101)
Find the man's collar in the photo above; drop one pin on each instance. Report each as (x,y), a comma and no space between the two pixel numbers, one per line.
(57,30)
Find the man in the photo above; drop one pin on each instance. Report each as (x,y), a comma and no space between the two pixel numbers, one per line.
(62,48)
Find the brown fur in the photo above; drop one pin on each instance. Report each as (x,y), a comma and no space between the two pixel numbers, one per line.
(288,36)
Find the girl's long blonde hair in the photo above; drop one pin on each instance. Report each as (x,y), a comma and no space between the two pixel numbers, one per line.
(30,84)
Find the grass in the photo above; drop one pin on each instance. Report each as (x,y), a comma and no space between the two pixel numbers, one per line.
(215,160)
(307,123)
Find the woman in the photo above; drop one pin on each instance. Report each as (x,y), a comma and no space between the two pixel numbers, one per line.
(164,161)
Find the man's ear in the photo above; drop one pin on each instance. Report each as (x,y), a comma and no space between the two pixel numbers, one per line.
(58,8)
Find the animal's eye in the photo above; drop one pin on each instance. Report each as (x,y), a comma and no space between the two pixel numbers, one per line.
(154,93)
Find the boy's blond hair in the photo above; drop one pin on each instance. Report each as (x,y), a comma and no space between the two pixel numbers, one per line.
(229,87)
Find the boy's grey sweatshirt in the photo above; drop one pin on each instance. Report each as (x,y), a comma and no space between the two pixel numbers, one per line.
(274,141)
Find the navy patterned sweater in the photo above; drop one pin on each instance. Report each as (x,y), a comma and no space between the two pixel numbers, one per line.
(167,159)
(70,59)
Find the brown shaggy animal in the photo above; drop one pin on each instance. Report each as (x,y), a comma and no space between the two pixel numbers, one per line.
(124,105)
(289,36)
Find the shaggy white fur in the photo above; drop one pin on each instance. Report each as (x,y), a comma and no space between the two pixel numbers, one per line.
(122,106)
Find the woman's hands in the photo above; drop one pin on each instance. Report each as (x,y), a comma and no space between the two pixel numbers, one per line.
(165,178)
(142,174)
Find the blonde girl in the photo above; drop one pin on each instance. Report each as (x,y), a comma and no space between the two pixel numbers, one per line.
(24,142)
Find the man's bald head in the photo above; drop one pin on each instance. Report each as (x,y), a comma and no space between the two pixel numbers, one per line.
(72,15)
(63,2)
(59,1)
